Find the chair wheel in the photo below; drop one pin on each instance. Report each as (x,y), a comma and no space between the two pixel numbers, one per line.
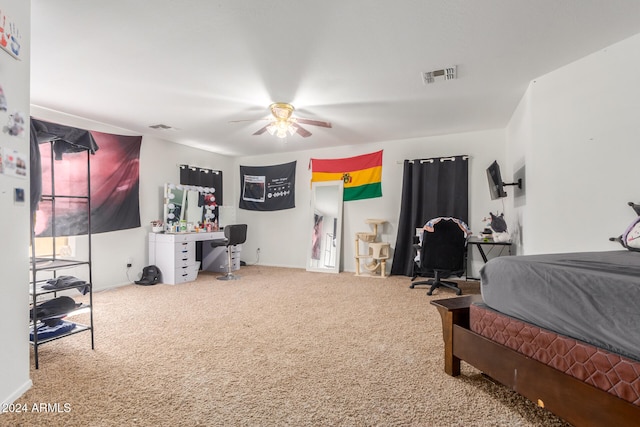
(429,292)
(459,292)
(411,286)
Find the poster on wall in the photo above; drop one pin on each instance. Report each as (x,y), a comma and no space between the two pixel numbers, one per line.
(268,188)
(114,179)
(10,36)
(14,120)
(14,163)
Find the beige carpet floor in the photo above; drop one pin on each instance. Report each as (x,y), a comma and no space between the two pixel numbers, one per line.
(279,347)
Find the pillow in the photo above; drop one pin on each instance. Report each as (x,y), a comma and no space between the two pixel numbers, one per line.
(631,236)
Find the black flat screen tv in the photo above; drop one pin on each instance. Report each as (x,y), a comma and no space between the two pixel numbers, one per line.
(496,186)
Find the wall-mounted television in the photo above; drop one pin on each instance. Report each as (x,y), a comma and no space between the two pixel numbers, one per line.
(496,185)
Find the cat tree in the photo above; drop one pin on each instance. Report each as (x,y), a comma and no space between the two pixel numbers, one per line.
(376,253)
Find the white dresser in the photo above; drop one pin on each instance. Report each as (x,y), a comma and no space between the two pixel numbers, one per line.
(175,254)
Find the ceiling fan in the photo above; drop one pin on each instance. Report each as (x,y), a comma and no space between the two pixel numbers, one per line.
(283,124)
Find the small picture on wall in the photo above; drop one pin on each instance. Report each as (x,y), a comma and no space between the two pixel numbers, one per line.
(15,124)
(14,163)
(18,195)
(10,36)
(254,188)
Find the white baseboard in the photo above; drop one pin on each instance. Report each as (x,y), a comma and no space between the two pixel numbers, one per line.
(16,394)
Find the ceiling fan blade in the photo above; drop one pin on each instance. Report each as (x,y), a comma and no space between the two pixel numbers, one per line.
(302,132)
(314,122)
(261,130)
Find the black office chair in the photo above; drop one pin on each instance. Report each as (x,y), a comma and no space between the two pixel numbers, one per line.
(233,235)
(443,253)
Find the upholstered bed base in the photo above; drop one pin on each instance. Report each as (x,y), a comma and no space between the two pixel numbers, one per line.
(602,369)
(576,401)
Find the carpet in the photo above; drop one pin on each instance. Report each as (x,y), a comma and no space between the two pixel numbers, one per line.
(279,347)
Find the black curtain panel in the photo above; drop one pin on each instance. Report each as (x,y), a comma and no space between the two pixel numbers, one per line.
(430,188)
(201,177)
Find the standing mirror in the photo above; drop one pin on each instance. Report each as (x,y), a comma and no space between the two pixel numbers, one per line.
(323,252)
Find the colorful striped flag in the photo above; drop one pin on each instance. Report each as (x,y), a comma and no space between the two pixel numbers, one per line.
(362,175)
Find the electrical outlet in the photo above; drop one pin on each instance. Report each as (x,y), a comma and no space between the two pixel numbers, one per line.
(129,262)
(258,250)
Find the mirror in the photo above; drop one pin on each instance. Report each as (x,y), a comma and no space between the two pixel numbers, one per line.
(323,252)
(174,200)
(194,205)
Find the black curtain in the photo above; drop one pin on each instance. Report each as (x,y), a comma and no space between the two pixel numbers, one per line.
(201,177)
(430,188)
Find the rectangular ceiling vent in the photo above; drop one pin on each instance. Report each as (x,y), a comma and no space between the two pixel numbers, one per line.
(161,127)
(448,73)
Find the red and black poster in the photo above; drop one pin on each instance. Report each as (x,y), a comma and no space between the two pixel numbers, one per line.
(112,184)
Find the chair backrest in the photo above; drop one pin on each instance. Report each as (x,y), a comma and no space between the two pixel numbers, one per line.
(444,248)
(236,234)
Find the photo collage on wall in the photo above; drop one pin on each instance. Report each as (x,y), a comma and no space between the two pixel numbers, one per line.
(13,162)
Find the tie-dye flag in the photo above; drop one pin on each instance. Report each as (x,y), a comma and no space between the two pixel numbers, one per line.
(362,175)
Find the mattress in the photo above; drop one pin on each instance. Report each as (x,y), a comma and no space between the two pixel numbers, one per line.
(612,373)
(593,297)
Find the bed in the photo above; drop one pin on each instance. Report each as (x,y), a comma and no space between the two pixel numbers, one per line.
(563,330)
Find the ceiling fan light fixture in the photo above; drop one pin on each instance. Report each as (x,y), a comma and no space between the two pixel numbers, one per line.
(283,123)
(281,110)
(280,128)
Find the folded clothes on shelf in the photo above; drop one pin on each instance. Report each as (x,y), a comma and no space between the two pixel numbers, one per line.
(56,307)
(67,282)
(45,331)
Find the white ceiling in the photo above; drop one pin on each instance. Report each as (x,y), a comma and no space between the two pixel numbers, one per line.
(196,65)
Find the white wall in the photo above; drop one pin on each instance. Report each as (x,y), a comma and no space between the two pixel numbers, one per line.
(282,235)
(558,132)
(519,135)
(159,160)
(578,130)
(14,262)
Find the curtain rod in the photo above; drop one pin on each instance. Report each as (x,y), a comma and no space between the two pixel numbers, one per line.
(442,159)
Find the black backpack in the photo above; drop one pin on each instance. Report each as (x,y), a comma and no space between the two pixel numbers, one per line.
(150,276)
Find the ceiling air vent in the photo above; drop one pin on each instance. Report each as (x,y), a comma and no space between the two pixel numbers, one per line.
(161,127)
(448,73)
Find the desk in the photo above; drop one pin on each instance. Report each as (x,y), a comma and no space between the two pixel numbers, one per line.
(175,255)
(479,242)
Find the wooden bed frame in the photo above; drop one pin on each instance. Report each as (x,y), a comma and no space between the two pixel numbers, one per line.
(577,402)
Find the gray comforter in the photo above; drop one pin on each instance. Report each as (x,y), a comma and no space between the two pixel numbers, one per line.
(590,296)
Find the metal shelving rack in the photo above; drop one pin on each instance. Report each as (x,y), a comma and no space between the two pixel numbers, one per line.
(55,263)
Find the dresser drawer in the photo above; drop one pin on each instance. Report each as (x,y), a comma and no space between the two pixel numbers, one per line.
(185,253)
(187,273)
